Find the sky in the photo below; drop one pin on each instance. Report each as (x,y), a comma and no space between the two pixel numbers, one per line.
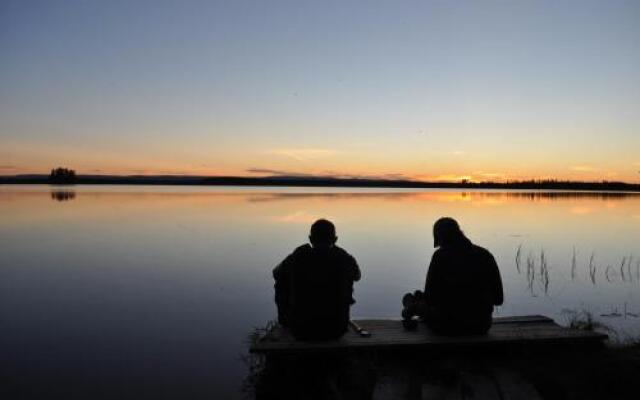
(429,90)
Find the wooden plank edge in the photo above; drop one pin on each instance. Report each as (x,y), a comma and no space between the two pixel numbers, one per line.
(596,338)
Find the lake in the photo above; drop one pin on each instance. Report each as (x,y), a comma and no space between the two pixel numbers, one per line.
(150,291)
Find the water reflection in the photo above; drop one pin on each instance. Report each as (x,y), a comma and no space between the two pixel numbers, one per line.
(138,283)
(447,196)
(63,195)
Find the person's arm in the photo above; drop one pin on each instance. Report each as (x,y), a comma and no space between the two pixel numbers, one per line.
(496,281)
(356,274)
(430,284)
(282,289)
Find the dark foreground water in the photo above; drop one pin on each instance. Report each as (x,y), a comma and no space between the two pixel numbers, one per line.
(131,292)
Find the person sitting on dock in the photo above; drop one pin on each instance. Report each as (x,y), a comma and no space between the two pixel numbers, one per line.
(463,285)
(314,286)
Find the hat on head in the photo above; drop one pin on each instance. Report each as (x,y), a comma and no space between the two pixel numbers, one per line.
(445,230)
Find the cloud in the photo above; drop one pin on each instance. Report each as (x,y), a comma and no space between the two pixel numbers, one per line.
(395,176)
(8,167)
(297,217)
(276,172)
(326,174)
(491,175)
(583,168)
(451,178)
(458,152)
(387,176)
(303,154)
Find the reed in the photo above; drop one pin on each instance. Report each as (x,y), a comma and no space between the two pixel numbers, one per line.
(585,321)
(538,272)
(256,363)
(531,272)
(592,268)
(519,257)
(574,264)
(544,272)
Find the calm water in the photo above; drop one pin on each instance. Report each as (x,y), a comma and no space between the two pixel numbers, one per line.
(132,291)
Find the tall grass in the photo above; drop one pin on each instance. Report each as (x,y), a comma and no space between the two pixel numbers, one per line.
(531,272)
(592,268)
(544,272)
(584,321)
(538,272)
(574,264)
(255,363)
(518,257)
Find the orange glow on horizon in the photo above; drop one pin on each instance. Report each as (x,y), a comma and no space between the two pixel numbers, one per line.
(414,176)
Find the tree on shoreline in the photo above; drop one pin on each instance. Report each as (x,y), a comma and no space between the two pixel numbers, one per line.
(62,175)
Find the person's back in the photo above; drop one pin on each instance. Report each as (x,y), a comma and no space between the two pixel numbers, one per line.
(463,283)
(314,286)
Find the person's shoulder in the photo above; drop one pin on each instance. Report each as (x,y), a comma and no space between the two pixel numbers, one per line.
(438,253)
(342,252)
(481,251)
(292,259)
(344,255)
(302,249)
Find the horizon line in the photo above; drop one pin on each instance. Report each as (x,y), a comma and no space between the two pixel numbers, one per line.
(344,178)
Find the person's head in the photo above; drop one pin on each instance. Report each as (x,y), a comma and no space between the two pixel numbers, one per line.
(446,231)
(323,234)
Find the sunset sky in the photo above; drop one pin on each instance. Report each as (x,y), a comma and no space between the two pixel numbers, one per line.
(432,90)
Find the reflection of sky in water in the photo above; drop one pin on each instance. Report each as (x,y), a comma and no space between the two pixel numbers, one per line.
(161,284)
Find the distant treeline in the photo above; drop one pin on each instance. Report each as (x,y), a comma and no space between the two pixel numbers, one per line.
(62,175)
(550,184)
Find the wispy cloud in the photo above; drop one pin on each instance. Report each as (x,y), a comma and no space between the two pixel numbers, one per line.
(450,178)
(396,176)
(325,174)
(458,152)
(583,168)
(304,154)
(297,217)
(490,175)
(8,167)
(387,176)
(276,172)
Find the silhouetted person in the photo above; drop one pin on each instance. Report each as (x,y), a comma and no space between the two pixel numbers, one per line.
(463,284)
(314,286)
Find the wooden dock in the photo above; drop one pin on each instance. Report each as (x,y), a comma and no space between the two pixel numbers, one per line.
(390,335)
(451,371)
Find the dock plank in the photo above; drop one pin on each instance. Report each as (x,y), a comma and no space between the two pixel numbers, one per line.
(389,334)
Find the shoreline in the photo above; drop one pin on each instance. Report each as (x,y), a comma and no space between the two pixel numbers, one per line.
(604,186)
